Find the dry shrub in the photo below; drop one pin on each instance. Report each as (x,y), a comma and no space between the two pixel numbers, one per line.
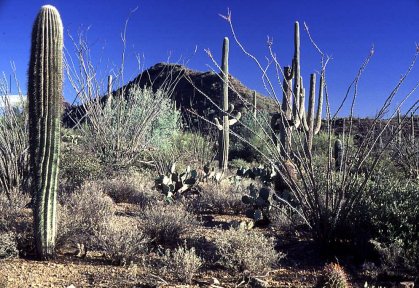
(11,209)
(222,198)
(181,263)
(122,242)
(82,213)
(246,250)
(134,188)
(8,245)
(165,223)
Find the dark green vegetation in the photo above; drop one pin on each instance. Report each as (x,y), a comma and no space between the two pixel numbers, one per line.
(138,179)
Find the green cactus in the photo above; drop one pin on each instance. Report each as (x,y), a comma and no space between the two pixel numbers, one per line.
(224,135)
(265,174)
(45,105)
(286,121)
(338,154)
(259,202)
(333,276)
(174,184)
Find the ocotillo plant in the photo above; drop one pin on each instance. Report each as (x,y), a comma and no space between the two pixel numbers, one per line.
(45,103)
(224,137)
(412,128)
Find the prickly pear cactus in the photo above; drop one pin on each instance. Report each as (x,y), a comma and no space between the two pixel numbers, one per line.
(259,202)
(174,184)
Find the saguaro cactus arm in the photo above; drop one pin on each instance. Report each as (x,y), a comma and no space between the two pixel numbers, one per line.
(45,104)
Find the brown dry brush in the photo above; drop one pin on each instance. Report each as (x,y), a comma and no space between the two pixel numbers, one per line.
(14,165)
(323,197)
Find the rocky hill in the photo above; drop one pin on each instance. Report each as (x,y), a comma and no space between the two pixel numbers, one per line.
(192,86)
(189,92)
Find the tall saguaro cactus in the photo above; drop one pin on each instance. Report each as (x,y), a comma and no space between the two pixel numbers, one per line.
(286,121)
(224,137)
(45,105)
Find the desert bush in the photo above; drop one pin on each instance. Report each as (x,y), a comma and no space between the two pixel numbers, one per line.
(393,215)
(11,209)
(8,245)
(221,198)
(132,188)
(187,148)
(119,134)
(246,250)
(122,242)
(77,166)
(181,263)
(165,223)
(82,213)
(254,137)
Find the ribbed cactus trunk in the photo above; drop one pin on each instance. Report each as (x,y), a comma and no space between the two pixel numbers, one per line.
(286,128)
(224,136)
(310,116)
(45,105)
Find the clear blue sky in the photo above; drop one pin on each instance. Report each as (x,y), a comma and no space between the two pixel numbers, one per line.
(344,30)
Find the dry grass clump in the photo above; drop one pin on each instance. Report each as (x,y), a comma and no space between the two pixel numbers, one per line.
(122,242)
(82,213)
(240,250)
(165,223)
(11,208)
(181,263)
(134,188)
(222,198)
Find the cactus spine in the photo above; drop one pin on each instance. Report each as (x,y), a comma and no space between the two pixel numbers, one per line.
(45,101)
(224,128)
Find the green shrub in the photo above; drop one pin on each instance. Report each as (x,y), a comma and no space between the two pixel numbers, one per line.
(78,166)
(393,211)
(255,132)
(119,134)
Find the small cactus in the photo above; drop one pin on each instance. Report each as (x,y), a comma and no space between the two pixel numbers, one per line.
(338,155)
(260,202)
(333,276)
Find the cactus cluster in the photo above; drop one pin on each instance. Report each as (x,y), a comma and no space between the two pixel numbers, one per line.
(259,201)
(173,183)
(227,110)
(292,115)
(44,108)
(333,276)
(264,174)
